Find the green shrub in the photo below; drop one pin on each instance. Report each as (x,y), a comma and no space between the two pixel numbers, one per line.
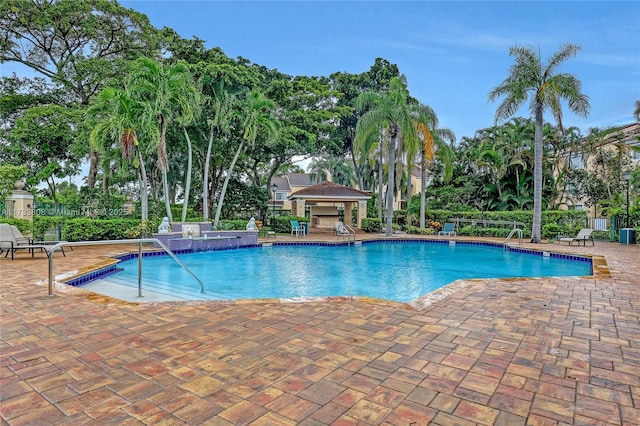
(144,229)
(420,231)
(574,218)
(552,230)
(232,225)
(25,226)
(176,213)
(400,217)
(88,229)
(371,224)
(42,224)
(282,224)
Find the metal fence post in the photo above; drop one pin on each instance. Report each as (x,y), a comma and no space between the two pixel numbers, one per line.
(140,269)
(50,254)
(612,234)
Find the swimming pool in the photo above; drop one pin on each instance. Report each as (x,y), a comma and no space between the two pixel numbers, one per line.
(398,271)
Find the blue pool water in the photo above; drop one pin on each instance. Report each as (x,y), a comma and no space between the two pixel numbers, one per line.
(391,271)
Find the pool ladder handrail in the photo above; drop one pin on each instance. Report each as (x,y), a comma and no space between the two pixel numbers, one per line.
(351,232)
(513,231)
(138,241)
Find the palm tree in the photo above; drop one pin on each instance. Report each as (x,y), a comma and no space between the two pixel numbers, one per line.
(432,141)
(370,151)
(117,117)
(256,116)
(636,112)
(338,169)
(221,106)
(389,110)
(170,95)
(528,77)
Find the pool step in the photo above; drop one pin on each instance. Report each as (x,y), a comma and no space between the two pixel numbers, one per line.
(147,285)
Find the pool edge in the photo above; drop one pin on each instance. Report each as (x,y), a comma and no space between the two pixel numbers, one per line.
(599,270)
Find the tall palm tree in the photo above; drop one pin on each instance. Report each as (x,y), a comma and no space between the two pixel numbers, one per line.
(117,117)
(255,117)
(529,77)
(432,141)
(170,95)
(389,109)
(636,112)
(220,105)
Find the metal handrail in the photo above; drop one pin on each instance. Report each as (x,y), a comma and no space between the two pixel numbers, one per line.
(138,241)
(351,232)
(513,231)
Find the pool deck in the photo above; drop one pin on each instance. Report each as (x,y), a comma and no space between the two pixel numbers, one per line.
(505,352)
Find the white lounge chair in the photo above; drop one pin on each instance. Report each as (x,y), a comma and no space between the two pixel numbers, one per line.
(11,240)
(583,235)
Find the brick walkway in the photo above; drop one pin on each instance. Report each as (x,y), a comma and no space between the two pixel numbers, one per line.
(506,352)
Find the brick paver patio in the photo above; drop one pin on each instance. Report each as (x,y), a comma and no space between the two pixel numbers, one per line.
(504,352)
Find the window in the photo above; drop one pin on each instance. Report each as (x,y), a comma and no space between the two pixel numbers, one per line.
(281,196)
(575,207)
(577,162)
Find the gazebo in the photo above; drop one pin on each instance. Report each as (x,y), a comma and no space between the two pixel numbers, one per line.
(324,199)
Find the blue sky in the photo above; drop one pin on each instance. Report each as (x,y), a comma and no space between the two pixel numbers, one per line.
(452,52)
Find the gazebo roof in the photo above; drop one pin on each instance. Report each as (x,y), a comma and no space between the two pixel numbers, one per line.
(329,191)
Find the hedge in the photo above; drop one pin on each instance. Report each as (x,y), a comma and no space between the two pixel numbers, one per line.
(233,225)
(23,225)
(371,224)
(282,224)
(87,229)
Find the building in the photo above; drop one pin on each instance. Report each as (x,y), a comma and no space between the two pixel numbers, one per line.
(283,187)
(617,141)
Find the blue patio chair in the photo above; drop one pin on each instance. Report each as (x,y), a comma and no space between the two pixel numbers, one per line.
(449,229)
(296,228)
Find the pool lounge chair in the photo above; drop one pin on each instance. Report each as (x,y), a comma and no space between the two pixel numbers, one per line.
(583,235)
(11,240)
(449,229)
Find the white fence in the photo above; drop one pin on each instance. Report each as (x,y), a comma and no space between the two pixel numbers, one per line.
(599,223)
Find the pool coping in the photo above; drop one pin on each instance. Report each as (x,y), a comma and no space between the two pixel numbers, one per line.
(76,278)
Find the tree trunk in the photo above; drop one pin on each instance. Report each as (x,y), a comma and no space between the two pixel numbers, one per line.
(423,190)
(164,166)
(144,196)
(536,229)
(205,184)
(357,169)
(52,189)
(409,191)
(187,185)
(380,184)
(105,182)
(167,201)
(391,181)
(225,184)
(93,168)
